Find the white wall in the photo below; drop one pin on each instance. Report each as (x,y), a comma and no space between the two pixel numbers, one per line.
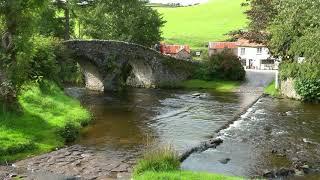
(252,53)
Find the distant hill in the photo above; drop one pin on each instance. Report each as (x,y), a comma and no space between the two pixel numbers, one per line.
(197,25)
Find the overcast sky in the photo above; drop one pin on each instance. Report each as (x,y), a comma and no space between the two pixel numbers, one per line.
(185,2)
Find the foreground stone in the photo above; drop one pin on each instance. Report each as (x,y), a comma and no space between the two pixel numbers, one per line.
(75,162)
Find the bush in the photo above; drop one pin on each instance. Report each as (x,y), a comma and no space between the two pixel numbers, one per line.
(309,89)
(70,71)
(165,159)
(307,78)
(70,132)
(224,65)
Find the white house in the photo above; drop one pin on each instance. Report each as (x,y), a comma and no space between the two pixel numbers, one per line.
(252,55)
(256,56)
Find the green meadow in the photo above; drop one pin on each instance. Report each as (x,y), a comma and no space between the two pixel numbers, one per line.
(197,25)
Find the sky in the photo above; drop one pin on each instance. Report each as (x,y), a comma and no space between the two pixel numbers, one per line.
(184,2)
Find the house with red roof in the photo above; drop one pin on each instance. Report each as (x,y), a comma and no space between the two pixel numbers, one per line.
(177,51)
(252,55)
(218,47)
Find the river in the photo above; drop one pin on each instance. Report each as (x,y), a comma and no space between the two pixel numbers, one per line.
(272,134)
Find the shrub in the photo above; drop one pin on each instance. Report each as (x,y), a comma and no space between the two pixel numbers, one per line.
(70,132)
(165,159)
(224,65)
(309,89)
(70,71)
(307,78)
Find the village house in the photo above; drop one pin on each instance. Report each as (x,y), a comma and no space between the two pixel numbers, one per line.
(252,55)
(218,47)
(177,51)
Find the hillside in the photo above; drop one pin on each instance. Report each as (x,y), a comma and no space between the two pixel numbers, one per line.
(197,25)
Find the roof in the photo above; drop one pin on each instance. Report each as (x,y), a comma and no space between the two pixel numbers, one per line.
(232,45)
(247,43)
(174,49)
(222,45)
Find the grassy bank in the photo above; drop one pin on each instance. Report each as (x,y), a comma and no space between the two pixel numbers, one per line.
(197,25)
(183,175)
(165,164)
(271,90)
(45,113)
(218,85)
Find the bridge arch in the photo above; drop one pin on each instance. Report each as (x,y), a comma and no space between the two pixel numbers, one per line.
(110,64)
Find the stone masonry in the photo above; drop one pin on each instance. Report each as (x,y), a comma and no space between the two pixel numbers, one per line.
(110,64)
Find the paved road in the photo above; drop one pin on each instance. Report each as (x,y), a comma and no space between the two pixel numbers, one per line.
(256,80)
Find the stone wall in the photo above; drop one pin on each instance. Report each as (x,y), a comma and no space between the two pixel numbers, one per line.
(110,64)
(287,89)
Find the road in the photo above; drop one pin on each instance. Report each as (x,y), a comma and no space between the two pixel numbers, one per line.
(257,80)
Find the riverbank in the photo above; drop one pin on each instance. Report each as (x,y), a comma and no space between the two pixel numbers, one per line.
(165,163)
(183,175)
(48,119)
(271,90)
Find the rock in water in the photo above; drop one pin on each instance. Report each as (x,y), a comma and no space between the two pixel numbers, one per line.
(269,174)
(224,161)
(196,95)
(284,172)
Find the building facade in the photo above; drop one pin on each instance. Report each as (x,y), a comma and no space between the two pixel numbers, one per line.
(177,51)
(252,55)
(218,47)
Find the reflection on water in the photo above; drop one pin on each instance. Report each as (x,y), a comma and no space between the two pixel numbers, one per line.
(138,117)
(276,133)
(273,134)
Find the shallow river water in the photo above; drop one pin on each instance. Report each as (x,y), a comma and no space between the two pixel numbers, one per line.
(138,118)
(272,134)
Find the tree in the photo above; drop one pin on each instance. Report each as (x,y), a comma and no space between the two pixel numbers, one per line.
(296,30)
(260,14)
(123,20)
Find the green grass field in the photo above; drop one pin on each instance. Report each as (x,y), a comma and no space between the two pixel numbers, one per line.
(197,25)
(35,129)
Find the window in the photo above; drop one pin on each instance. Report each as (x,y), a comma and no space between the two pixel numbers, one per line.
(243,51)
(259,50)
(215,51)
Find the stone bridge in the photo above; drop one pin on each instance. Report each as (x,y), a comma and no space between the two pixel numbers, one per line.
(108,65)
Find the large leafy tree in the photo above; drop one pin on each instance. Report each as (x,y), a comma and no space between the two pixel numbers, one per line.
(126,20)
(296,30)
(260,14)
(18,23)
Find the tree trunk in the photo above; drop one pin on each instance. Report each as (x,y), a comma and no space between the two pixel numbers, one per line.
(67,22)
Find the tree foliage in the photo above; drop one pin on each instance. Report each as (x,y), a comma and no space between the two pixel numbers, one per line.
(124,20)
(260,14)
(296,30)
(224,65)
